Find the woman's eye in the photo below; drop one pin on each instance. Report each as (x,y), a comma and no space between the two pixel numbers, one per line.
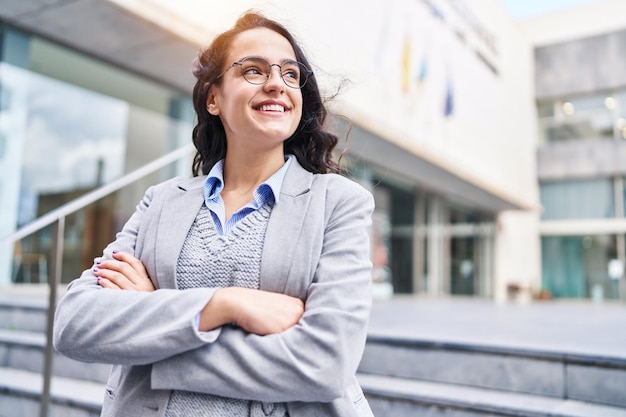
(252,71)
(291,74)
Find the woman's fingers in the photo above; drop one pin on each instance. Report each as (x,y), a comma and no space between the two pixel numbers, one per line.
(105,283)
(131,261)
(112,277)
(124,272)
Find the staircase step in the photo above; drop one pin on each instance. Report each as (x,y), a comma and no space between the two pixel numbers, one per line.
(401,397)
(20,392)
(23,313)
(24,350)
(584,377)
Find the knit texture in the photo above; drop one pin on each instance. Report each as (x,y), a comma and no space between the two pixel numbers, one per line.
(208,259)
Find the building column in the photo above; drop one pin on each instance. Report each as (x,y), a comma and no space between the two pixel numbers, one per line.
(620,241)
(419,240)
(436,270)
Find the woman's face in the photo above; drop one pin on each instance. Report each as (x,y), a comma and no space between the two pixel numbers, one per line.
(256,117)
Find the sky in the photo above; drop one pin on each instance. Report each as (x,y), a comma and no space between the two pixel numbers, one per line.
(520,9)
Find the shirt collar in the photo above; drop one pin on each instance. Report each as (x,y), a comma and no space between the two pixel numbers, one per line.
(215,182)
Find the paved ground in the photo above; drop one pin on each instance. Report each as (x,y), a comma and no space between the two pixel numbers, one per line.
(582,327)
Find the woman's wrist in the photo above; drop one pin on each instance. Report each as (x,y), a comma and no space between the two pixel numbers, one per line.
(217,311)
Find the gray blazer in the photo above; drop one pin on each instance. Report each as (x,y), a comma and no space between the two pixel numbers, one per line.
(316,248)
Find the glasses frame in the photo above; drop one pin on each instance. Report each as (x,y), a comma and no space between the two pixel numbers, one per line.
(307,71)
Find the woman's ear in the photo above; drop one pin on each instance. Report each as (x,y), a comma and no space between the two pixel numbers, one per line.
(211,103)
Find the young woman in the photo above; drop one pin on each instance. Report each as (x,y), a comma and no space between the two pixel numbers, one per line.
(244,291)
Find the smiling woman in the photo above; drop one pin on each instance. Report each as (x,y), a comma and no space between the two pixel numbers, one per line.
(246,290)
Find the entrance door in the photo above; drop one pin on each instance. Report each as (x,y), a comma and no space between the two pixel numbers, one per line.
(463,265)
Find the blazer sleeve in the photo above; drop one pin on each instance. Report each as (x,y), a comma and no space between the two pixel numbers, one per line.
(94,324)
(315,360)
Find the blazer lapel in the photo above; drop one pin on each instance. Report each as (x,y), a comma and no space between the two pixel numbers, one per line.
(177,216)
(285,223)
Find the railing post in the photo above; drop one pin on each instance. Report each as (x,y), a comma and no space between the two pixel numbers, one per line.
(56,254)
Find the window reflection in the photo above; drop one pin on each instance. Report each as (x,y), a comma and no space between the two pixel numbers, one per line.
(581,266)
(577,199)
(75,141)
(68,124)
(588,117)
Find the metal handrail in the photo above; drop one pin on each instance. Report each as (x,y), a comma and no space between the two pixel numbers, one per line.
(57,218)
(95,195)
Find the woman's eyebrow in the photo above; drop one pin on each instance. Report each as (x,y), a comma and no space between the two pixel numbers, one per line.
(282,61)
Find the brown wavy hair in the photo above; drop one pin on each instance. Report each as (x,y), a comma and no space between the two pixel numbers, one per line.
(311,143)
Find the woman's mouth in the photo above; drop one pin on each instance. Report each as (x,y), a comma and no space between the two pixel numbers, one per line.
(271,107)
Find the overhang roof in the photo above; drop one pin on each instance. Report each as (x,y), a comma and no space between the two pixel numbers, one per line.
(107,31)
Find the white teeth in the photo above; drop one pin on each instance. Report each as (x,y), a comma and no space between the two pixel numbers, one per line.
(272,107)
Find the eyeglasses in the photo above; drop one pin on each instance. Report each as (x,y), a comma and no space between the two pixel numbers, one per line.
(256,70)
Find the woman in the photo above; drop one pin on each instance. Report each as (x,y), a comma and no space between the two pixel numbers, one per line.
(244,291)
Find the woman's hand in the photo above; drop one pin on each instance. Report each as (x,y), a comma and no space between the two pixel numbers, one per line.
(256,311)
(124,272)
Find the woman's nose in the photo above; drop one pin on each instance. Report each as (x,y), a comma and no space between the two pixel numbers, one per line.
(275,80)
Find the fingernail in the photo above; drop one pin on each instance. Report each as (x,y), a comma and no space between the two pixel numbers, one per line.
(96,269)
(115,251)
(98,262)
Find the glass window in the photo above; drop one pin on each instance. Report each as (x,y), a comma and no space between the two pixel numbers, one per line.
(621,120)
(74,122)
(588,103)
(63,64)
(395,214)
(458,214)
(382,283)
(70,123)
(581,266)
(75,140)
(462,265)
(590,117)
(15,47)
(469,256)
(545,108)
(579,199)
(402,218)
(623,196)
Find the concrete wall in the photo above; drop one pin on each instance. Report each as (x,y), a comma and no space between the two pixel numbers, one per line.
(586,65)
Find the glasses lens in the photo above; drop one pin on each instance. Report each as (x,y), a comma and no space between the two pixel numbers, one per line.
(294,74)
(255,70)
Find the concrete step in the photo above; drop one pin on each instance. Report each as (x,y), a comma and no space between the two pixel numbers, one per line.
(561,375)
(23,350)
(401,397)
(23,313)
(20,393)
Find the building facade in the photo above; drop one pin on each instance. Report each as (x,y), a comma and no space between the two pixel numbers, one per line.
(581,105)
(428,91)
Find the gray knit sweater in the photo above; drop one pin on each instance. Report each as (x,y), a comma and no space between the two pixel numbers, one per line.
(210,260)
